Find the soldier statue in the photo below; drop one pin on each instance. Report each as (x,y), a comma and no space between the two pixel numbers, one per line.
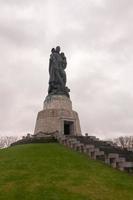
(57,79)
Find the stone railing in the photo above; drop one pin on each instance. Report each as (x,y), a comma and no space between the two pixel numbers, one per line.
(96,150)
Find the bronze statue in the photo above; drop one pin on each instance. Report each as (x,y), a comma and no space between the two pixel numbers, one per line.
(57,80)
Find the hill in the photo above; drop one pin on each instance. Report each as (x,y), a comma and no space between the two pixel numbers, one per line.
(53,172)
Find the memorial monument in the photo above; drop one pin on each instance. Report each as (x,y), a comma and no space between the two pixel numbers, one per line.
(57,113)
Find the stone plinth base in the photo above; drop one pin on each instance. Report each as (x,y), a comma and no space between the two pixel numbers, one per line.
(57,115)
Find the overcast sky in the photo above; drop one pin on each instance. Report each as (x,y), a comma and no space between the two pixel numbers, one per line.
(97,38)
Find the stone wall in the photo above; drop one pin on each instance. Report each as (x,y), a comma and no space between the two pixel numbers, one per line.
(56,110)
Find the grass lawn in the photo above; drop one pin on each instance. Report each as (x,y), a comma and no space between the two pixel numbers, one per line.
(53,172)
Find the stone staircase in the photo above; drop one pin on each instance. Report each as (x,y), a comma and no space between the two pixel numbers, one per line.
(96,149)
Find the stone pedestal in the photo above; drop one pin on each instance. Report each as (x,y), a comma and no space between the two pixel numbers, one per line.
(57,115)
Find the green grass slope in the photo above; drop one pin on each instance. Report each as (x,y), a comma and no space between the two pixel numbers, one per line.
(53,172)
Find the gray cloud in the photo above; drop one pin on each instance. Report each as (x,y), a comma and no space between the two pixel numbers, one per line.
(97,38)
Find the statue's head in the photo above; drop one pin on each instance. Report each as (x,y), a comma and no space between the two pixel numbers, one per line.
(58,49)
(62,54)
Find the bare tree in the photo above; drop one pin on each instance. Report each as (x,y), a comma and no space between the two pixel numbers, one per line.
(6,141)
(124,141)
